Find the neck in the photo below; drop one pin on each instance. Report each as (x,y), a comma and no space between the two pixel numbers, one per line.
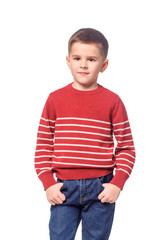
(85,87)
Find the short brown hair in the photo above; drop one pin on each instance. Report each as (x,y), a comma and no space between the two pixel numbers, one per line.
(90,35)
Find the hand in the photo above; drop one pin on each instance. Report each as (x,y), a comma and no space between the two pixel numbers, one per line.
(110,193)
(54,195)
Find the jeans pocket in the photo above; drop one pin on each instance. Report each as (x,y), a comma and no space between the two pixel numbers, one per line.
(61,181)
(100,183)
(104,179)
(108,178)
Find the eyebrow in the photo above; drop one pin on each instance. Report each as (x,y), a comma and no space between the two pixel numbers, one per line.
(74,55)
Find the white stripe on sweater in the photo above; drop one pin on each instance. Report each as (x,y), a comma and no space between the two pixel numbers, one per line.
(44,145)
(43,168)
(129,146)
(80,152)
(124,159)
(120,169)
(48,139)
(47,120)
(44,150)
(85,119)
(125,154)
(115,124)
(84,132)
(89,159)
(46,126)
(43,172)
(46,133)
(80,145)
(80,125)
(43,156)
(124,135)
(89,165)
(120,164)
(88,139)
(43,162)
(121,129)
(125,141)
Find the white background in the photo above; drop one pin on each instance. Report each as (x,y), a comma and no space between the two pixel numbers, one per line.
(33,47)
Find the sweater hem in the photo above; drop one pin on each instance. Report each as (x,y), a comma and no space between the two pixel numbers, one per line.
(75,174)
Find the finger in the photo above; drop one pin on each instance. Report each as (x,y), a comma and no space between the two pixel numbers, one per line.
(52,203)
(103,200)
(62,196)
(104,185)
(60,185)
(54,200)
(107,200)
(60,201)
(101,195)
(57,200)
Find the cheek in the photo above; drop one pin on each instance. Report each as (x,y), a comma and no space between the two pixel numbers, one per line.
(74,67)
(95,69)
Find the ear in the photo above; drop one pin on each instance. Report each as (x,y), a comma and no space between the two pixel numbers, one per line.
(68,61)
(104,66)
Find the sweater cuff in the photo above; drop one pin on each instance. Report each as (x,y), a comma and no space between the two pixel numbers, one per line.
(119,179)
(47,180)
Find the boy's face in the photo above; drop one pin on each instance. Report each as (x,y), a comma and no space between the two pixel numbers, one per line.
(85,62)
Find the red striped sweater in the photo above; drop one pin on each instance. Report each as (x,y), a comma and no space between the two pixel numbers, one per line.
(84,134)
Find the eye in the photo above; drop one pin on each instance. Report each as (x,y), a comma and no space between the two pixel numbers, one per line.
(76,58)
(91,59)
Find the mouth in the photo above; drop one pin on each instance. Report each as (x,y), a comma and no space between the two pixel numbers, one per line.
(83,73)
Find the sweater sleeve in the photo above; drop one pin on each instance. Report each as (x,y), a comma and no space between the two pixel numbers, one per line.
(45,145)
(124,154)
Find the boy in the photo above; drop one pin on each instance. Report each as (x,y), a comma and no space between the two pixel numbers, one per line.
(75,141)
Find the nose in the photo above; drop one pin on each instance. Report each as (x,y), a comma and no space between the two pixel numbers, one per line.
(83,64)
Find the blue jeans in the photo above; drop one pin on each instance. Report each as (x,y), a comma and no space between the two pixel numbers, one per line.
(82,203)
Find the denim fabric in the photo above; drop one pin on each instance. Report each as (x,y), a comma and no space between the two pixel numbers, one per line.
(82,203)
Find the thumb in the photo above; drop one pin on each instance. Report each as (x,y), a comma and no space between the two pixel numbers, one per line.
(61,196)
(60,185)
(104,185)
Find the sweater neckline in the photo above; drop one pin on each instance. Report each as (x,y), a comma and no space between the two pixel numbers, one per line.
(83,92)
